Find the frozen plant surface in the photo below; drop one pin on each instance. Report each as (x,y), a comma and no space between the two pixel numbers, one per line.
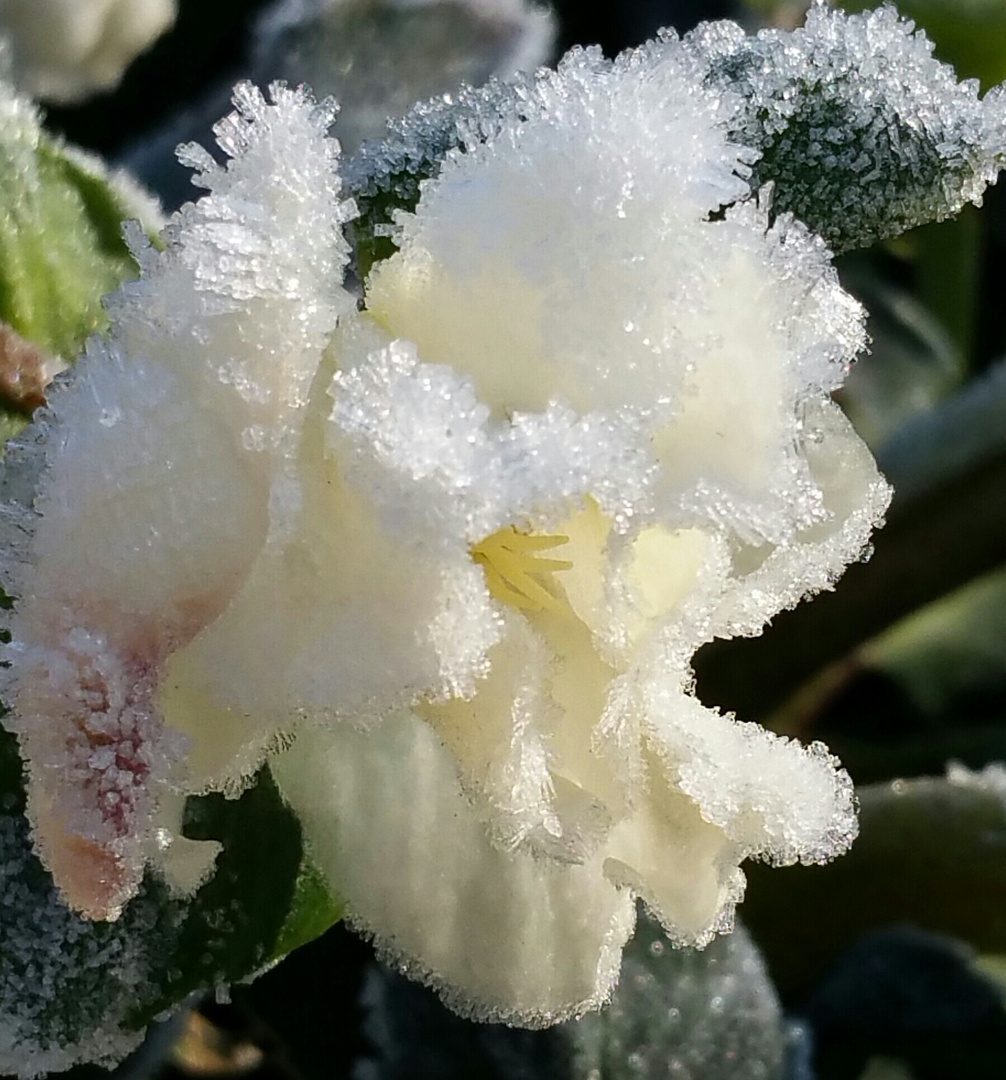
(862,131)
(698,1015)
(859,130)
(152,544)
(62,974)
(445,557)
(59,232)
(693,1014)
(67,50)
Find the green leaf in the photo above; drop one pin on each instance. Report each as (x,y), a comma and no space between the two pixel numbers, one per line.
(948,649)
(931,852)
(61,247)
(11,424)
(230,929)
(312,911)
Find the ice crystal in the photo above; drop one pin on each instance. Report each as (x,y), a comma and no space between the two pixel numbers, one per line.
(860,132)
(66,50)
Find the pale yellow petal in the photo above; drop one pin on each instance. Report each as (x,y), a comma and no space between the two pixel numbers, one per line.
(500,936)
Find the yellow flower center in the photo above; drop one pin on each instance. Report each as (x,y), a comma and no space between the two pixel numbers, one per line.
(515,573)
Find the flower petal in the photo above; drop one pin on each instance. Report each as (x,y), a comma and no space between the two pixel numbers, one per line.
(501,936)
(677,863)
(773,798)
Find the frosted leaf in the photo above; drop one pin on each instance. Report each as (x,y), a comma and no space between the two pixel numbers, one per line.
(67,986)
(850,122)
(67,50)
(74,991)
(862,133)
(710,1015)
(112,572)
(705,1015)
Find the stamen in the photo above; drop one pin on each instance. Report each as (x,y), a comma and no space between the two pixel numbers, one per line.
(515,574)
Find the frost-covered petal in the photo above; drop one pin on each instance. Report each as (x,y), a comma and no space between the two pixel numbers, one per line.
(478,286)
(854,498)
(418,442)
(496,740)
(629,296)
(579,426)
(133,544)
(772,797)
(338,616)
(119,576)
(501,936)
(676,862)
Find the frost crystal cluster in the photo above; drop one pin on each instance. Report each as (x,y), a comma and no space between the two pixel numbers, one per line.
(861,131)
(444,555)
(66,50)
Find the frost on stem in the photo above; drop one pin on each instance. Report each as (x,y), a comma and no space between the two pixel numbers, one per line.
(462,543)
(860,131)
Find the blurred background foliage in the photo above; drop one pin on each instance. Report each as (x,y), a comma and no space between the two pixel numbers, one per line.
(889,964)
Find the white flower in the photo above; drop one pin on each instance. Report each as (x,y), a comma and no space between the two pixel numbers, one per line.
(67,50)
(460,545)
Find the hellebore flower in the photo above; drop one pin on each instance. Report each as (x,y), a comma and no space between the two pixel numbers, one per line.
(446,555)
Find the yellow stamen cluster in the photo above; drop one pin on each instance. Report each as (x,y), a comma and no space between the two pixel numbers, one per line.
(514,572)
